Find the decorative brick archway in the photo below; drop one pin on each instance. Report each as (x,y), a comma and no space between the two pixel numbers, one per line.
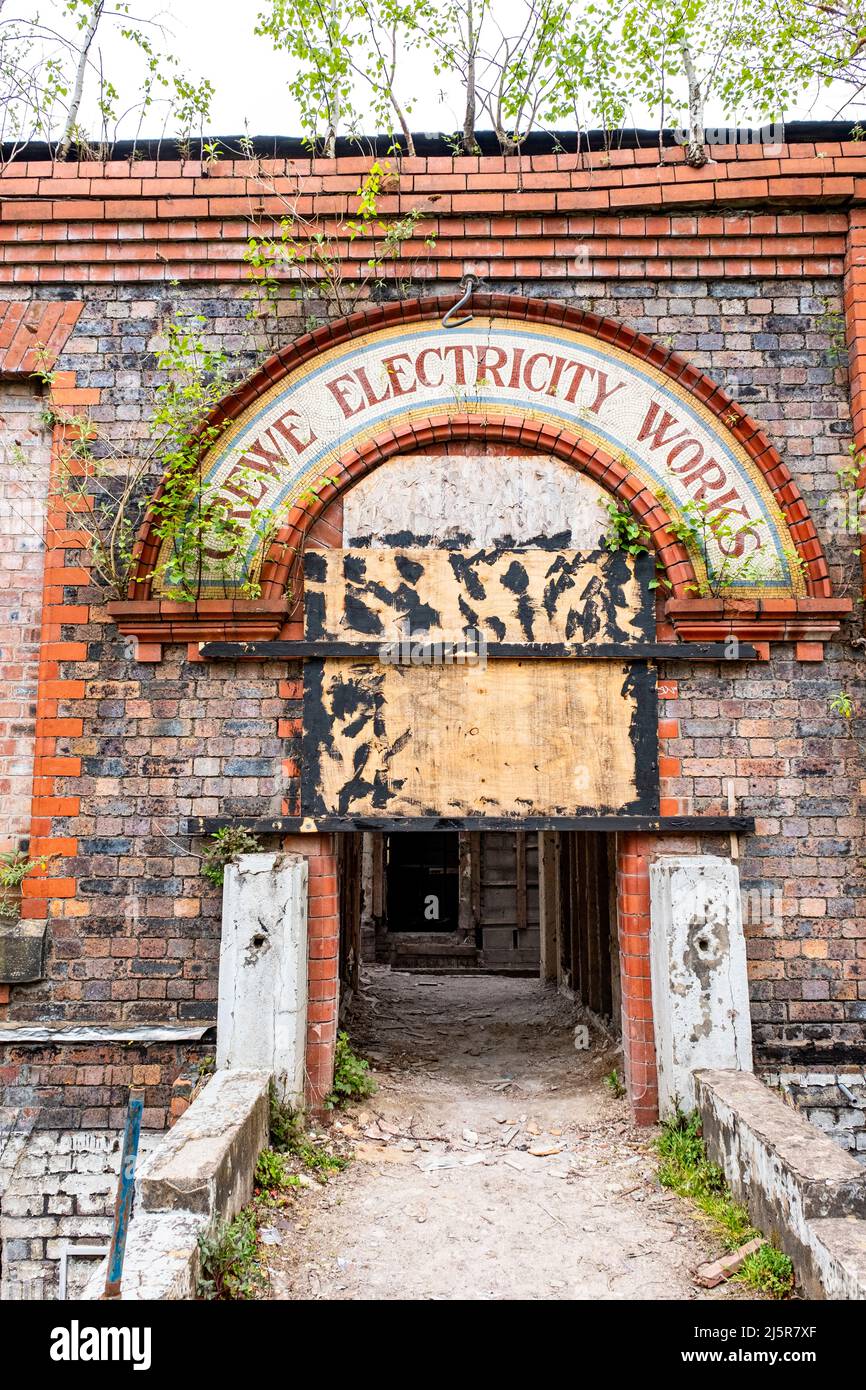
(410,429)
(419,430)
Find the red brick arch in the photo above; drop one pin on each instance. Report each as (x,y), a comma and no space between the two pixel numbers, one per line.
(748,433)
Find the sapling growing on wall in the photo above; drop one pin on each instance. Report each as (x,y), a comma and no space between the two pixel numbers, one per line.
(225,847)
(52,65)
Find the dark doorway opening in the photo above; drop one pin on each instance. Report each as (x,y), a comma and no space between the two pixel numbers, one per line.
(588,964)
(452,900)
(421,888)
(516,902)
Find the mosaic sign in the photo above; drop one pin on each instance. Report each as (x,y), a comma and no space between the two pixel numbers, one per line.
(294,435)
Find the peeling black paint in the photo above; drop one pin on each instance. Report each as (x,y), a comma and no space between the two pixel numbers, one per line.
(406,600)
(315,567)
(516,580)
(411,570)
(317,739)
(560,578)
(463,569)
(457,540)
(354,569)
(360,618)
(640,685)
(314,614)
(470,614)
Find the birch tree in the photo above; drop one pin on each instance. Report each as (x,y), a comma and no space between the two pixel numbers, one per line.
(349,61)
(52,68)
(522,69)
(88,24)
(315,34)
(749,59)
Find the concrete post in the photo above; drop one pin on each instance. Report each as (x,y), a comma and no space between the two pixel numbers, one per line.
(262,1008)
(700,988)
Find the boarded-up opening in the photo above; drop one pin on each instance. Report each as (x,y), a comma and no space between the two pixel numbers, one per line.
(550,714)
(515,739)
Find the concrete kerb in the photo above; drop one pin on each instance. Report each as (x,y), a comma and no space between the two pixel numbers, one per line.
(201,1173)
(803,1191)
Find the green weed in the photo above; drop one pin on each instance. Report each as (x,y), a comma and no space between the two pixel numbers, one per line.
(769,1271)
(352,1079)
(225,846)
(230,1263)
(684,1168)
(614,1083)
(273,1173)
(289,1137)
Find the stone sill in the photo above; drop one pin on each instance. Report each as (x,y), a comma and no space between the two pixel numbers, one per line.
(155,623)
(809,622)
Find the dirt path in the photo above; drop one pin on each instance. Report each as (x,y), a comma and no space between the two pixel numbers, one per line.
(446,1199)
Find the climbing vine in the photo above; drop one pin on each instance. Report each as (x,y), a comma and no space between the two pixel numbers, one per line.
(109,487)
(698,527)
(331,266)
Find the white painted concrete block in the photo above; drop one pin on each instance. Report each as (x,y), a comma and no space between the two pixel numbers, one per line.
(698,963)
(262,1008)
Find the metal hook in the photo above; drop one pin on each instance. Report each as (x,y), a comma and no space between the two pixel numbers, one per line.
(470,281)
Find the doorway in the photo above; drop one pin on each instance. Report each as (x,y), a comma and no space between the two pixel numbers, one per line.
(421,889)
(518,902)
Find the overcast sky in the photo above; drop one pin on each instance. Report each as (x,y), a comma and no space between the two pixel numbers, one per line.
(215,39)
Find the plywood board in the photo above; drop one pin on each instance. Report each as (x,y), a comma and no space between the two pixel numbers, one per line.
(523,596)
(517,738)
(467,500)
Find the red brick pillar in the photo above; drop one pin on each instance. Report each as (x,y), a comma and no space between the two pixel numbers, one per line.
(854,300)
(855,320)
(633,923)
(323,952)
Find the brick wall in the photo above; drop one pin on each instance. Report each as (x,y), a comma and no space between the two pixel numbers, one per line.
(85,1085)
(131,749)
(24,470)
(799,771)
(137,934)
(61,1192)
(834,1102)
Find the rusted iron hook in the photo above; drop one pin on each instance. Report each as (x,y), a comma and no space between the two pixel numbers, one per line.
(467,284)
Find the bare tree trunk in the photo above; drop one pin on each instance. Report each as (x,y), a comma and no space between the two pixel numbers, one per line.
(696,153)
(404,127)
(333,97)
(392,96)
(78,85)
(470,144)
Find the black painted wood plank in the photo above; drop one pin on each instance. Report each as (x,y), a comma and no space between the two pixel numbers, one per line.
(293,825)
(494,651)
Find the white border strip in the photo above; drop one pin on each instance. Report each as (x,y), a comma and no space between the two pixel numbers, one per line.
(102,1032)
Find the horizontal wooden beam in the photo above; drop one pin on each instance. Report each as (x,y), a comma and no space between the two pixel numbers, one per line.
(294,825)
(449,653)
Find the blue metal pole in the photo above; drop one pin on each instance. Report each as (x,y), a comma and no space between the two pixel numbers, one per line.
(125,1193)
